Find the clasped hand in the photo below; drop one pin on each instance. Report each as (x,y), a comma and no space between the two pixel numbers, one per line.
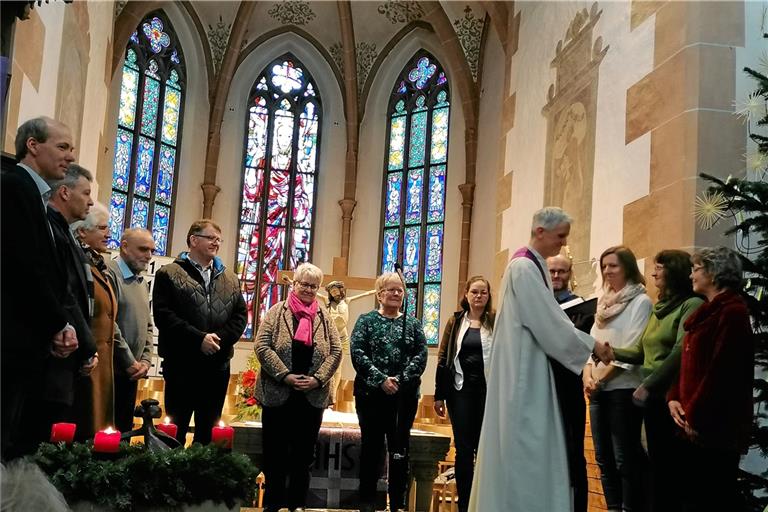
(390,385)
(302,382)
(603,352)
(64,342)
(210,344)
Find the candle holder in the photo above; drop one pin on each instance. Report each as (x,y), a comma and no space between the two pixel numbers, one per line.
(153,438)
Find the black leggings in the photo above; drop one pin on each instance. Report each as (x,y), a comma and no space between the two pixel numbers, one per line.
(466,407)
(389,416)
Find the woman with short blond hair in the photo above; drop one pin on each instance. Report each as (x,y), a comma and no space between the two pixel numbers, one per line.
(299,350)
(389,353)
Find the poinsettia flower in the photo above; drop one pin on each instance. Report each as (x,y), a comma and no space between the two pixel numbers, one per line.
(251,401)
(249,378)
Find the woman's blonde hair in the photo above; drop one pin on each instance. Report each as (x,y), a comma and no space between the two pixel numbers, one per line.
(384,278)
(309,270)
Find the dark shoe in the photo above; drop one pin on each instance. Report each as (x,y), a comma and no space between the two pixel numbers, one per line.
(367,507)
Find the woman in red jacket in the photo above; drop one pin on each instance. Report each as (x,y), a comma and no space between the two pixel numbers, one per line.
(712,400)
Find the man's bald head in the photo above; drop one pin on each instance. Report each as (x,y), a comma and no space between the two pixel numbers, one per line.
(560,271)
(137,248)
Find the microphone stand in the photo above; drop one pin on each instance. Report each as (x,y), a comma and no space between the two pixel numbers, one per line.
(400,452)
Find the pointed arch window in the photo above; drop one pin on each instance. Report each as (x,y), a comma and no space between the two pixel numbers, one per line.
(414,186)
(279,182)
(145,167)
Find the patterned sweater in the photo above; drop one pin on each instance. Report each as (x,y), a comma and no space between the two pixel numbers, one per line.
(378,351)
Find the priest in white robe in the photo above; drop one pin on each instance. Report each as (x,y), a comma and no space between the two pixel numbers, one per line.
(522,464)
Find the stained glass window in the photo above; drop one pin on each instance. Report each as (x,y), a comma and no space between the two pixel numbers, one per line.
(147,142)
(279,182)
(414,186)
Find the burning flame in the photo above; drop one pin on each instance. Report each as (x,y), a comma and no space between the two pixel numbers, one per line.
(167,420)
(109,430)
(222,424)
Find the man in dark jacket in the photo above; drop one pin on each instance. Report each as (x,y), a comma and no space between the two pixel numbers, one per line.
(200,315)
(570,393)
(34,324)
(69,202)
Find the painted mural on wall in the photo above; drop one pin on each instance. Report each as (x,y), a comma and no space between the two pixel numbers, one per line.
(571,111)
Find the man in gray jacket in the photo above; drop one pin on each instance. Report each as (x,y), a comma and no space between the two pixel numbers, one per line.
(133,359)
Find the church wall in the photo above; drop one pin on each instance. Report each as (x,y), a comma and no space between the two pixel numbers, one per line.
(482,239)
(366,224)
(619,171)
(194,131)
(657,85)
(58,71)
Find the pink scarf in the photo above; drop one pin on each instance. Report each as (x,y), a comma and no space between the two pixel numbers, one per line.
(306,317)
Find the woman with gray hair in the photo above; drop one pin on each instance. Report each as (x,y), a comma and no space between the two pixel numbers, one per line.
(389,353)
(712,400)
(94,402)
(299,350)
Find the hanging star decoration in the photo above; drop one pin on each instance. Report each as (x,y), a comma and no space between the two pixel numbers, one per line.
(709,208)
(753,107)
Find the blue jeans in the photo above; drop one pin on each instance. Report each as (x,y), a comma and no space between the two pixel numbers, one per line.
(616,425)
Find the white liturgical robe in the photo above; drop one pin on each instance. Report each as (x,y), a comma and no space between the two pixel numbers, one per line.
(522,464)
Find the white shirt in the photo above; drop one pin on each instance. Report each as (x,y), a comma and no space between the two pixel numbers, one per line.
(622,331)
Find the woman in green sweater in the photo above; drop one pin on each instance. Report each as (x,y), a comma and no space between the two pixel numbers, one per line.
(658,350)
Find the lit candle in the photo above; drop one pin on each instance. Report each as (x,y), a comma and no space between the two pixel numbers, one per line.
(63,432)
(168,427)
(223,435)
(107,441)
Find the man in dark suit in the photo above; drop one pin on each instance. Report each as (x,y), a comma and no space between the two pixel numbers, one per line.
(570,393)
(69,202)
(34,325)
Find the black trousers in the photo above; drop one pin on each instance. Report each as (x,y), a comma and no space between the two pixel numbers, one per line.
(289,436)
(665,451)
(709,479)
(466,408)
(385,416)
(195,390)
(573,409)
(125,402)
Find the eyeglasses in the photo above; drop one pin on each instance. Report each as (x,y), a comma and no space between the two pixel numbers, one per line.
(394,291)
(212,238)
(306,286)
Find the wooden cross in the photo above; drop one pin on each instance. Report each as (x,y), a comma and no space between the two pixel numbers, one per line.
(340,274)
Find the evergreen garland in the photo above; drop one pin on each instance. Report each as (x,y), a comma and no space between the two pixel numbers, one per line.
(140,478)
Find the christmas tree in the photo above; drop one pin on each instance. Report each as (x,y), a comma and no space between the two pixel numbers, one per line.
(744,201)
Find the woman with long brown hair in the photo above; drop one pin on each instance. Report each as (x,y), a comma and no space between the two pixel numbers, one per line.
(622,314)
(460,377)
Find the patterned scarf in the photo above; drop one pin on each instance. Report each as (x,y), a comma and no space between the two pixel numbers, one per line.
(612,303)
(305,315)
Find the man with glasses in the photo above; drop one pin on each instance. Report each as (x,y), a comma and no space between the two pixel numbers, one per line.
(570,393)
(200,315)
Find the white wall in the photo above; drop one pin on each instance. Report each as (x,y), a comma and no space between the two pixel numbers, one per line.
(621,171)
(483,237)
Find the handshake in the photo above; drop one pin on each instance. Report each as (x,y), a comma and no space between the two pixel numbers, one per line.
(602,352)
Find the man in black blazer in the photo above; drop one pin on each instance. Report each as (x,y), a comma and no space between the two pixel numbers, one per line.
(69,202)
(34,325)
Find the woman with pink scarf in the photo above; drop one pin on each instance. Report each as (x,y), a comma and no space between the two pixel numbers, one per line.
(622,313)
(299,351)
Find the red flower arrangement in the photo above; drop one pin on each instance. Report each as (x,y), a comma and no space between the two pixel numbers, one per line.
(248,407)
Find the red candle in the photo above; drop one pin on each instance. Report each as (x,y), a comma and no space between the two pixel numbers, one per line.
(107,441)
(223,435)
(168,427)
(63,432)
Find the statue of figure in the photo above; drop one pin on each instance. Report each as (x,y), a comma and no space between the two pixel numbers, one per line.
(337,303)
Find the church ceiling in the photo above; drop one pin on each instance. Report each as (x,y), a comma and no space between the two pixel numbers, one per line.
(376,24)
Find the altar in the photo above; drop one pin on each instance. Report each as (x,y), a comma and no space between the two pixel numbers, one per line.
(337,454)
